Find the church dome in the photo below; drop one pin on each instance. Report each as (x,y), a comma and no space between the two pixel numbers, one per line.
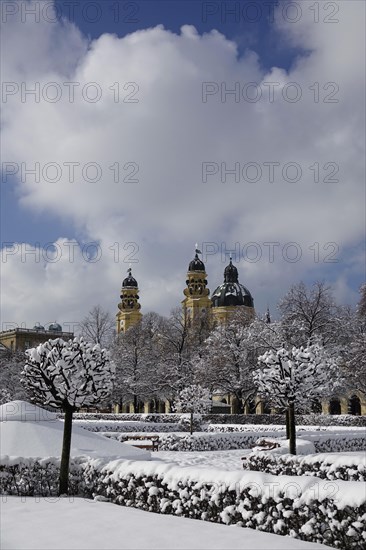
(55,327)
(196,264)
(231,292)
(129,280)
(38,326)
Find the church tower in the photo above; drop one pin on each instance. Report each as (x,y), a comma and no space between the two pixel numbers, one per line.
(231,295)
(129,306)
(196,293)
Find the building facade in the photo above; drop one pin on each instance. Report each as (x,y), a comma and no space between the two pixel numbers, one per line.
(20,339)
(223,303)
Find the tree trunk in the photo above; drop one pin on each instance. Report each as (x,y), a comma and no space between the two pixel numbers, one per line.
(287,424)
(65,455)
(135,404)
(191,423)
(292,428)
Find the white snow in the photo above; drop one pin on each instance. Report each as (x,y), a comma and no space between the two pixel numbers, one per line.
(222,460)
(302,488)
(24,433)
(23,411)
(77,524)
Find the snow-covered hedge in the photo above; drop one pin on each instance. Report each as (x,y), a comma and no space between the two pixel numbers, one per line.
(332,513)
(337,442)
(196,441)
(134,417)
(124,426)
(333,467)
(225,428)
(201,441)
(303,419)
(37,476)
(323,512)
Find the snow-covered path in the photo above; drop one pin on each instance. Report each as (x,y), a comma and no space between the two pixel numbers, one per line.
(222,460)
(78,524)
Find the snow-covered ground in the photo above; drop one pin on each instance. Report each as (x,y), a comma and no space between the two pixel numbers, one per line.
(222,460)
(30,431)
(75,524)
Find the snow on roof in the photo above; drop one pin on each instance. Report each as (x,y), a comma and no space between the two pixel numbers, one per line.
(29,431)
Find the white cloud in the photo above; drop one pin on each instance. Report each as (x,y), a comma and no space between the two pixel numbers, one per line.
(169,133)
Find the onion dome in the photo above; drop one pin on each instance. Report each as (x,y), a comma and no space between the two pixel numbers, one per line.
(231,292)
(129,280)
(196,264)
(55,327)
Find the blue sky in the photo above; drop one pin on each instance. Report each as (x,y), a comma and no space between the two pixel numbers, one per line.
(171,135)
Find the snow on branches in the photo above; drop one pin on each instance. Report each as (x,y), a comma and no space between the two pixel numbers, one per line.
(193,399)
(299,376)
(68,374)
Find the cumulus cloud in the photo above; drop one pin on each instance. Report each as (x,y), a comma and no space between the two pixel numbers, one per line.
(153,126)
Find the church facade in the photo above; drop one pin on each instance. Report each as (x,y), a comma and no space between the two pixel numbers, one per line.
(224,301)
(222,304)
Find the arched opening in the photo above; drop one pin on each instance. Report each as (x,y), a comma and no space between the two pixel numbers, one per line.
(354,405)
(251,405)
(159,406)
(237,406)
(224,401)
(334,406)
(266,408)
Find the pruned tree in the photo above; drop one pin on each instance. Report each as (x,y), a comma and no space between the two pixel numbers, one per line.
(193,399)
(293,378)
(68,376)
(98,326)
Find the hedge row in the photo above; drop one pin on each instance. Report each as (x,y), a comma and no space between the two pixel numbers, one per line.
(305,516)
(257,501)
(128,427)
(196,442)
(301,419)
(135,417)
(31,477)
(245,440)
(311,465)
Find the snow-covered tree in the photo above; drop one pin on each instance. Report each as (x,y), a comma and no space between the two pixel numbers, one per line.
(361,307)
(98,326)
(309,314)
(177,345)
(11,366)
(293,378)
(68,376)
(135,354)
(354,350)
(228,361)
(193,399)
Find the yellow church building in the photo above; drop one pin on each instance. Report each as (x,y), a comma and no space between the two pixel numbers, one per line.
(224,301)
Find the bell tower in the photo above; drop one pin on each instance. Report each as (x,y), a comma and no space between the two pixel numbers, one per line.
(196,293)
(129,308)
